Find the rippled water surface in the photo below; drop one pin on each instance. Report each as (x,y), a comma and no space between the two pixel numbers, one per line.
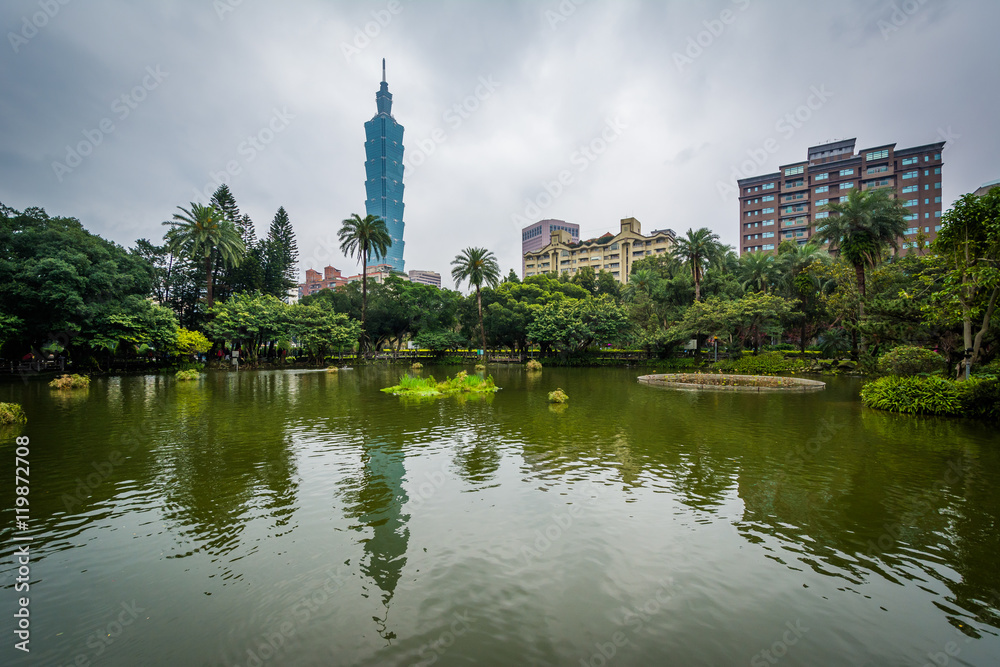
(305,518)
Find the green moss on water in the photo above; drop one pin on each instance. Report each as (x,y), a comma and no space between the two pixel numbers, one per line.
(428,387)
(11,413)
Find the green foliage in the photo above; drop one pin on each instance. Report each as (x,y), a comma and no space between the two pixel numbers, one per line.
(462,383)
(558,396)
(533,365)
(12,413)
(191,342)
(909,360)
(913,395)
(981,397)
(767,363)
(70,382)
(575,324)
(188,375)
(204,233)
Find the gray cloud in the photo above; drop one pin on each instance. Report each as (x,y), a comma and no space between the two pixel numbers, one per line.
(561,71)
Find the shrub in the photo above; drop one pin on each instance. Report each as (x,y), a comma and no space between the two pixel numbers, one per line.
(922,395)
(70,382)
(462,383)
(981,397)
(480,367)
(768,363)
(416,365)
(558,396)
(188,375)
(783,347)
(909,360)
(533,365)
(12,413)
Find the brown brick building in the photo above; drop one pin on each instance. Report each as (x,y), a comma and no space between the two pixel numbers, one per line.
(315,282)
(781,206)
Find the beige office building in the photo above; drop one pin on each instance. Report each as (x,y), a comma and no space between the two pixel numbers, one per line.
(614,253)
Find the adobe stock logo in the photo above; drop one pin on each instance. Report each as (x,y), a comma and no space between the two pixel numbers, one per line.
(31,25)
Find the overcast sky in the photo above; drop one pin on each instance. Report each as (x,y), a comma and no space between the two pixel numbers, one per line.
(116,112)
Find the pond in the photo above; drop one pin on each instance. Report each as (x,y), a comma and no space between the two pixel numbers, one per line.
(307,518)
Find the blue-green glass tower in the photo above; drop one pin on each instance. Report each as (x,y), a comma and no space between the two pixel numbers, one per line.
(384,173)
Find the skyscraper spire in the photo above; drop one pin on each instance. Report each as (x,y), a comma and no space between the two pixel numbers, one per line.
(383,70)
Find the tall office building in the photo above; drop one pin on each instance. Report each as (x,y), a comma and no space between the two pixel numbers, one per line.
(384,173)
(781,206)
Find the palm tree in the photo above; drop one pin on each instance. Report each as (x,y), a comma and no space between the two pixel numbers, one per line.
(698,249)
(758,271)
(362,237)
(790,263)
(204,231)
(478,266)
(864,227)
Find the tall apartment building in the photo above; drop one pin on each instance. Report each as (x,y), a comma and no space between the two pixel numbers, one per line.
(535,236)
(384,173)
(614,253)
(425,277)
(781,206)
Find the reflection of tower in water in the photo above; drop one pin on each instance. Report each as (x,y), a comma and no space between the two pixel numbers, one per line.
(378,507)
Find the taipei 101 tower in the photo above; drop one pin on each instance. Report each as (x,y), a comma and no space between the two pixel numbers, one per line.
(384,173)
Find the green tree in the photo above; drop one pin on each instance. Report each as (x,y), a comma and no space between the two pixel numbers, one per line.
(320,331)
(758,271)
(967,249)
(363,237)
(281,256)
(863,228)
(477,266)
(697,249)
(203,232)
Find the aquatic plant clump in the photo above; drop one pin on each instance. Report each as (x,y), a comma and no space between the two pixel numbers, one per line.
(480,367)
(332,369)
(558,396)
(70,382)
(417,366)
(12,413)
(188,375)
(533,365)
(462,383)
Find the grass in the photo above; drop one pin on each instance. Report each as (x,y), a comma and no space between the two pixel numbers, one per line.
(558,396)
(462,383)
(190,374)
(533,365)
(70,382)
(11,413)
(713,379)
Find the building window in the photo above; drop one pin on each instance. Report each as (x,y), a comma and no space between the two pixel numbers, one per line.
(937,228)
(822,202)
(766,223)
(907,161)
(912,216)
(911,202)
(794,184)
(937,156)
(792,171)
(937,214)
(927,230)
(910,174)
(877,155)
(821,177)
(937,170)
(877,170)
(912,230)
(767,198)
(937,200)
(846,172)
(767,235)
(910,188)
(846,186)
(937,186)
(767,186)
(822,188)
(767,210)
(823,214)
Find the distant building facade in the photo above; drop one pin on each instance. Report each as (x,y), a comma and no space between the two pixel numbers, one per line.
(376,272)
(384,174)
(614,253)
(986,187)
(426,278)
(535,236)
(315,282)
(784,205)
